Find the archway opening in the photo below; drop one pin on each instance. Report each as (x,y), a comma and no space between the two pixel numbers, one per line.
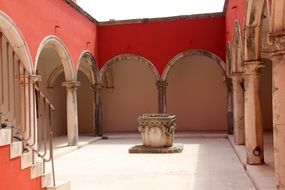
(49,67)
(197,94)
(266,90)
(16,93)
(85,95)
(134,92)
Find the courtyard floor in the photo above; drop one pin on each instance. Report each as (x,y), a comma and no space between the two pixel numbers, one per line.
(204,164)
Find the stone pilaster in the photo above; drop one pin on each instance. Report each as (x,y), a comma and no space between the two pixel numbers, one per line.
(72,112)
(161,86)
(238,108)
(277,42)
(252,113)
(97,89)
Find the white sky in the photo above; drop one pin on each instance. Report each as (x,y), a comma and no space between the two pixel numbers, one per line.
(104,10)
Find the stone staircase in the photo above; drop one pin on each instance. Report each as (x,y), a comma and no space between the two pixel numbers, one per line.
(28,161)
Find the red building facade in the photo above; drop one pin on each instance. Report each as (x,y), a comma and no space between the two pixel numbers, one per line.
(140,65)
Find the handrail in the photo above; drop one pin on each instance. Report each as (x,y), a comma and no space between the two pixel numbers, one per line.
(44,111)
(24,107)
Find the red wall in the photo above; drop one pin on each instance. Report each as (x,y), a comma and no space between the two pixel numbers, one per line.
(235,11)
(36,19)
(161,41)
(11,176)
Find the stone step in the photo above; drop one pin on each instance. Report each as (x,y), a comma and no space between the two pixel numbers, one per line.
(26,160)
(60,185)
(16,149)
(36,169)
(5,136)
(46,180)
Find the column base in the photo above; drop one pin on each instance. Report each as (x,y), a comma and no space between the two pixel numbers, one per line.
(279,155)
(178,148)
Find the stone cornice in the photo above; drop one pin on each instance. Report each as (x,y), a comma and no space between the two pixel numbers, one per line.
(162,19)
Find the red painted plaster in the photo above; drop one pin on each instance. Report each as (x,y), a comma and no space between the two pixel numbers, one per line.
(12,177)
(37,19)
(236,10)
(161,41)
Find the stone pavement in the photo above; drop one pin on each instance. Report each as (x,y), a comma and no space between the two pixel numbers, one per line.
(204,164)
(263,176)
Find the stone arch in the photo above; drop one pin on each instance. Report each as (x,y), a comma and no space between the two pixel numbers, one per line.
(253,27)
(188,53)
(191,76)
(108,79)
(134,91)
(53,62)
(87,75)
(53,76)
(17,40)
(122,57)
(16,103)
(60,48)
(88,67)
(228,58)
(237,57)
(277,10)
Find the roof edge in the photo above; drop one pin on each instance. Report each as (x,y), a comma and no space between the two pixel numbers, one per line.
(147,20)
(81,11)
(226,6)
(160,19)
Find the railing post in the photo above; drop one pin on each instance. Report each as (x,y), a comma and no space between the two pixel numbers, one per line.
(51,145)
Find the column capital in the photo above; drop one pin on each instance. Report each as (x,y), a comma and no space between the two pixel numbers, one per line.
(161,84)
(252,67)
(274,43)
(36,78)
(237,77)
(71,84)
(97,86)
(28,79)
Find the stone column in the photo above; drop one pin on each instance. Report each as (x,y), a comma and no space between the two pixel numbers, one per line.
(97,88)
(228,82)
(279,118)
(278,94)
(161,86)
(72,115)
(252,113)
(238,108)
(230,112)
